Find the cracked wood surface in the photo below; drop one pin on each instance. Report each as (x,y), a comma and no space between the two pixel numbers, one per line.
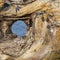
(45,42)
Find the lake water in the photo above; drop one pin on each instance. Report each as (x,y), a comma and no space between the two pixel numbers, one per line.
(19,28)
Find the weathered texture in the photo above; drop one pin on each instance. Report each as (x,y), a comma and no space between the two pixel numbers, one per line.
(30,8)
(1,3)
(42,41)
(5,57)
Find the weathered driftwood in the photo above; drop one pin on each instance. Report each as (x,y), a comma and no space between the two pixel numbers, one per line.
(14,18)
(35,52)
(39,4)
(38,50)
(5,57)
(30,54)
(30,8)
(1,3)
(19,2)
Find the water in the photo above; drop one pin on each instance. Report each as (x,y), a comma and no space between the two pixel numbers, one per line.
(19,28)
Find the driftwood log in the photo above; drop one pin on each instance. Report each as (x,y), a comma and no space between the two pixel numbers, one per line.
(30,8)
(43,37)
(1,3)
